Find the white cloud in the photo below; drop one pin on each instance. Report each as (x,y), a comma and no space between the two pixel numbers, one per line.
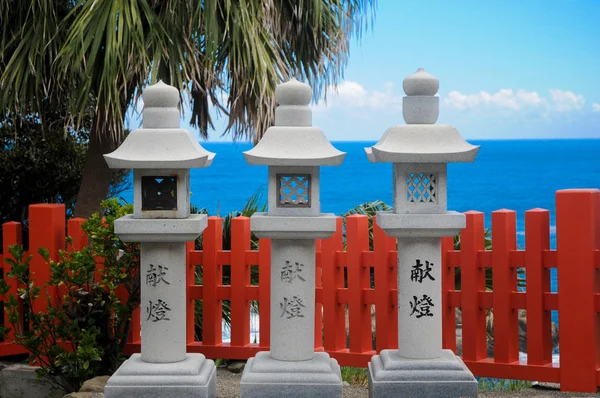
(558,101)
(596,107)
(353,95)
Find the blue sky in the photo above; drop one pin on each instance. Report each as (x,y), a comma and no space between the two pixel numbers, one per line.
(507,69)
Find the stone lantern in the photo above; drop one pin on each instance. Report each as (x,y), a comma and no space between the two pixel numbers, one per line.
(420,151)
(293,150)
(161,155)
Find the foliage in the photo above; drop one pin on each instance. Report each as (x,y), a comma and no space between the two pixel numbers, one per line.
(42,162)
(367,209)
(110,49)
(84,334)
(355,376)
(489,384)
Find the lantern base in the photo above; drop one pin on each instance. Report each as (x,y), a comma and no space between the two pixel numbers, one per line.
(195,377)
(267,377)
(391,375)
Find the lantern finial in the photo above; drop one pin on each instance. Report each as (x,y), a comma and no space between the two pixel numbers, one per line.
(161,107)
(421,106)
(293,98)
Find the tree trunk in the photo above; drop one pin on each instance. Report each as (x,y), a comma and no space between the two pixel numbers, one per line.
(97,177)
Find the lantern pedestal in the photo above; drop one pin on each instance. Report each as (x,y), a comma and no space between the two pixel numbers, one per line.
(391,375)
(193,377)
(268,377)
(291,368)
(163,369)
(420,367)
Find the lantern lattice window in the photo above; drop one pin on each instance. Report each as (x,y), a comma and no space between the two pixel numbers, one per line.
(293,190)
(159,193)
(421,187)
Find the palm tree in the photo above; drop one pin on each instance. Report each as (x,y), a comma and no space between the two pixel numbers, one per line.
(107,50)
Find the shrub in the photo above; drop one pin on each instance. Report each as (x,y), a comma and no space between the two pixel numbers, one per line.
(84,334)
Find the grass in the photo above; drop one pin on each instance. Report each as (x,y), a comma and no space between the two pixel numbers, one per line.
(355,376)
(488,384)
(359,377)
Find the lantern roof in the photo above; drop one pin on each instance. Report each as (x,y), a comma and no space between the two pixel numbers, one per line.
(421,140)
(293,141)
(160,143)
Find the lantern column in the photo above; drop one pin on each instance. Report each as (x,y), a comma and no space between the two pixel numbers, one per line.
(293,150)
(420,151)
(161,155)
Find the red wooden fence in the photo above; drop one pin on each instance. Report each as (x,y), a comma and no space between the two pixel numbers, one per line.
(577,259)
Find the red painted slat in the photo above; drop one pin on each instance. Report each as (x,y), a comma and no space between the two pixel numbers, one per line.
(578,229)
(47,228)
(212,277)
(357,242)
(504,280)
(240,278)
(537,241)
(384,308)
(333,281)
(472,283)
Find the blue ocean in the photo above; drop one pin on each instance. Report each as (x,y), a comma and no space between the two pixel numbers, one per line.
(510,174)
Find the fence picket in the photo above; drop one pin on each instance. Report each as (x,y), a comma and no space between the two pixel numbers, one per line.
(333,280)
(539,327)
(386,330)
(359,313)
(212,278)
(240,279)
(504,274)
(47,229)
(264,298)
(577,237)
(449,312)
(472,283)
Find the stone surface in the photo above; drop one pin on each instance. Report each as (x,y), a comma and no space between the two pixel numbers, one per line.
(236,366)
(422,143)
(20,381)
(292,141)
(163,303)
(267,377)
(130,229)
(160,144)
(183,193)
(193,377)
(313,192)
(419,298)
(292,299)
(94,385)
(390,375)
(282,227)
(420,106)
(420,151)
(421,83)
(421,225)
(426,192)
(293,150)
(162,149)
